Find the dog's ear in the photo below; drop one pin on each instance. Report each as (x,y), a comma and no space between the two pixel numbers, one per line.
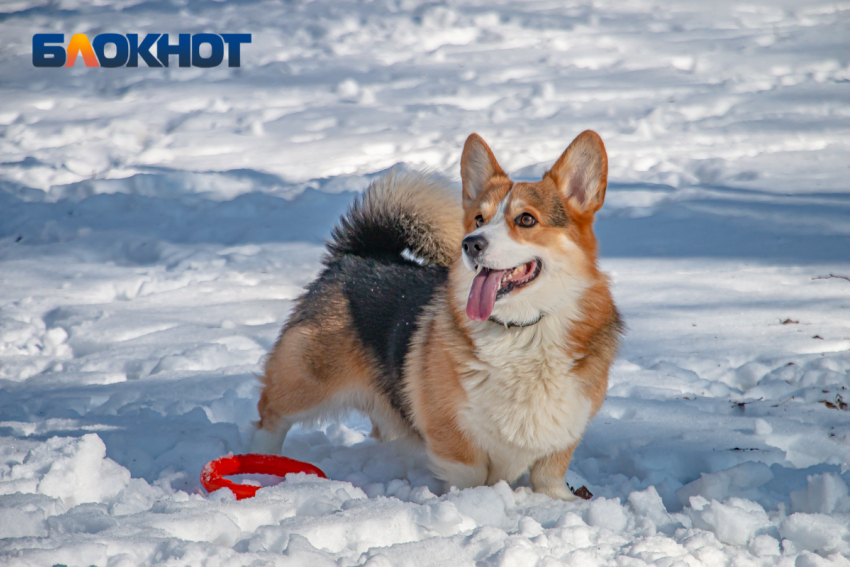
(581,173)
(477,166)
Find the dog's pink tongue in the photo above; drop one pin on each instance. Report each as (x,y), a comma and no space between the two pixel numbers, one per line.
(482,296)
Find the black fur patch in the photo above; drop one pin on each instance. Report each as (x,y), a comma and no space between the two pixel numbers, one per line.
(385,296)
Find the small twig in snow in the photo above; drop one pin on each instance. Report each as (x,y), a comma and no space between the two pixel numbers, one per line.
(832,276)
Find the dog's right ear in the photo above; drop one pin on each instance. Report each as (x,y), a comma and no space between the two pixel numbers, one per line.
(477,166)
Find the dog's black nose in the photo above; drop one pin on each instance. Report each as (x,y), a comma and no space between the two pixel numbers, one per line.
(474,245)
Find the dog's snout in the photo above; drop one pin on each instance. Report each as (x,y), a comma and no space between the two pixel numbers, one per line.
(475,245)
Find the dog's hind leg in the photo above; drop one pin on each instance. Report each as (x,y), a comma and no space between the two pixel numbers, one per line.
(290,390)
(269,439)
(311,371)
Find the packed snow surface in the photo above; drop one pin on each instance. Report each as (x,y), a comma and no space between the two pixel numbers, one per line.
(156,225)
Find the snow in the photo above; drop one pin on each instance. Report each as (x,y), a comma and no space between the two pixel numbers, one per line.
(156,224)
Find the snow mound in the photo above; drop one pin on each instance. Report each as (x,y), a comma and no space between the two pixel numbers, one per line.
(825,494)
(74,471)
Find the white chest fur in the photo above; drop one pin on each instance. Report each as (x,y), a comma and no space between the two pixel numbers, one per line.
(524,402)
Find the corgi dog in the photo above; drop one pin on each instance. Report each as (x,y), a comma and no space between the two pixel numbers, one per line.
(483,328)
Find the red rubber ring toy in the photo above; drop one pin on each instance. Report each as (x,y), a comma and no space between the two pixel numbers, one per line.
(213,473)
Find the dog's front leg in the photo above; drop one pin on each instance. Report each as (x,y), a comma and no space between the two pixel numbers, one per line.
(547,474)
(458,474)
(453,458)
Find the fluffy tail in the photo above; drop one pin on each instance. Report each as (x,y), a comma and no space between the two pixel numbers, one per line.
(399,211)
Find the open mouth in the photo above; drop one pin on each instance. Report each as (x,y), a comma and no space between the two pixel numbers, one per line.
(490,285)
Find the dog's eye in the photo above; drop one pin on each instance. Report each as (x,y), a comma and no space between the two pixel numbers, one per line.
(479,221)
(526,220)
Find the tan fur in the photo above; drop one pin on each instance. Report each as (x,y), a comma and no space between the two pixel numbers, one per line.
(310,363)
(434,390)
(318,369)
(547,474)
(489,402)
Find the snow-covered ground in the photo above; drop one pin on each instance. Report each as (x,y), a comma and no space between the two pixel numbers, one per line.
(156,224)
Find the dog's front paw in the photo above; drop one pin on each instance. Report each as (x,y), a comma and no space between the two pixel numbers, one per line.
(557,491)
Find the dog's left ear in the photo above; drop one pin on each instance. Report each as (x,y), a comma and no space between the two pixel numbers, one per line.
(581,173)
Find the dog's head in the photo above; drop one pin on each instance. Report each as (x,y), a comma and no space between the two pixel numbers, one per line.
(529,248)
